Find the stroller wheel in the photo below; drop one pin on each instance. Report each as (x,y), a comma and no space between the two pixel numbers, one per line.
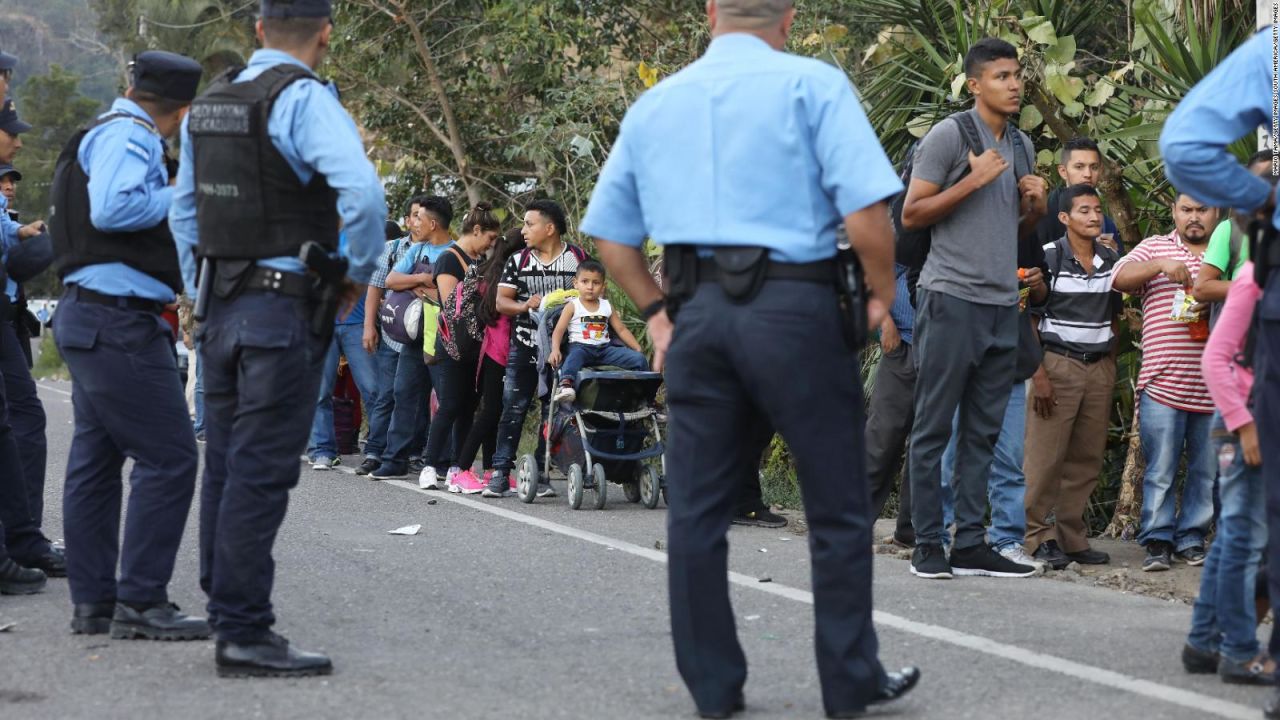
(650,487)
(602,485)
(632,491)
(576,482)
(527,478)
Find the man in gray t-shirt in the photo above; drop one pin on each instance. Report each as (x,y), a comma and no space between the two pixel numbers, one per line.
(966,328)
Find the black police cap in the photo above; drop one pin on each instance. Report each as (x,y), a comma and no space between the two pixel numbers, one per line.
(168,75)
(9,121)
(7,169)
(7,61)
(297,8)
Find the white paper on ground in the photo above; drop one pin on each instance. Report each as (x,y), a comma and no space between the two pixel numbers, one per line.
(406,530)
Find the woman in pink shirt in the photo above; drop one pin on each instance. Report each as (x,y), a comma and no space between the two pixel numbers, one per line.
(1223,635)
(492,369)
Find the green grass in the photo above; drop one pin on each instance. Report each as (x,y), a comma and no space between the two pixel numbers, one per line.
(49,365)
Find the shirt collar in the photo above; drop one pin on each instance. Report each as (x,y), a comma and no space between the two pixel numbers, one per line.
(1064,246)
(266,57)
(736,44)
(129,107)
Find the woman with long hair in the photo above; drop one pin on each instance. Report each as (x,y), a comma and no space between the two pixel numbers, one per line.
(454,378)
(493,368)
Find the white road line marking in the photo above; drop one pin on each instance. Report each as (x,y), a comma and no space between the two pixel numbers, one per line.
(1108,678)
(53,389)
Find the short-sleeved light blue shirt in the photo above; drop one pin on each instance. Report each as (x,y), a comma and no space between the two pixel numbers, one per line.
(746,146)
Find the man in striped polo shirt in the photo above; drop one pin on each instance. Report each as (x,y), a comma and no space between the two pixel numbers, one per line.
(1174,409)
(1069,409)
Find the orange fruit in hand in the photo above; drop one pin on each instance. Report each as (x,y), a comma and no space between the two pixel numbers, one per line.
(1022,273)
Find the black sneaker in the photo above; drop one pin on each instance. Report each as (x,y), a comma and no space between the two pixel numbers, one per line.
(1050,554)
(416,465)
(1199,662)
(930,562)
(52,563)
(762,517)
(1193,555)
(1157,558)
(982,560)
(368,466)
(390,470)
(1089,556)
(1249,672)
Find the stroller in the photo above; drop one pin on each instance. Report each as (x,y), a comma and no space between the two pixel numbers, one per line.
(606,435)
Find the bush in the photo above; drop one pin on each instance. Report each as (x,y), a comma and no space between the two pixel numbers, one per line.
(49,365)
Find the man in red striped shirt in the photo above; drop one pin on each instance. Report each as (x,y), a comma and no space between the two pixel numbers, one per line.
(1174,407)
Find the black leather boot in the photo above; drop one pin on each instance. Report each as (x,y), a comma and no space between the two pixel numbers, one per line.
(17,580)
(160,621)
(271,656)
(92,618)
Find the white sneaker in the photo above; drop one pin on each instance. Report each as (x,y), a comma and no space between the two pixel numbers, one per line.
(448,480)
(566,394)
(1016,554)
(427,479)
(546,491)
(325,464)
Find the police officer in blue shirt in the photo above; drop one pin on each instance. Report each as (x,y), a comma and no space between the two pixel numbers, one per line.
(1228,104)
(19,531)
(251,198)
(743,165)
(26,417)
(114,253)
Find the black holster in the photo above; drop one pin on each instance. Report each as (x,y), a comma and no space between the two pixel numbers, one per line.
(740,271)
(851,288)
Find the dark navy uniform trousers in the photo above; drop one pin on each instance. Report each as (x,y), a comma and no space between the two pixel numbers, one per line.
(27,418)
(262,367)
(1266,412)
(779,358)
(128,403)
(19,532)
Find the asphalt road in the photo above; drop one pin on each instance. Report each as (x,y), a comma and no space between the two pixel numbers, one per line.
(499,609)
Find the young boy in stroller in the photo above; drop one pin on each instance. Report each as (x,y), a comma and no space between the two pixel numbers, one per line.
(606,427)
(591,324)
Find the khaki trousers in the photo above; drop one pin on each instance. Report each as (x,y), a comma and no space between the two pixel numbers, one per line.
(1064,452)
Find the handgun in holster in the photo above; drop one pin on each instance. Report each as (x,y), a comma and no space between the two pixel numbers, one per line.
(851,287)
(328,274)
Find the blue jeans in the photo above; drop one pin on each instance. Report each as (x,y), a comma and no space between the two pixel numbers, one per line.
(1166,433)
(385,361)
(198,395)
(1224,619)
(348,341)
(407,432)
(579,356)
(1007,487)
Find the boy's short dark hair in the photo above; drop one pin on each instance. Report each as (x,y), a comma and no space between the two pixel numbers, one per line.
(552,211)
(292,32)
(590,266)
(1069,195)
(1079,143)
(984,51)
(408,205)
(440,207)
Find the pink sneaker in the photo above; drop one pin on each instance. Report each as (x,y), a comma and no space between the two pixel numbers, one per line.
(467,483)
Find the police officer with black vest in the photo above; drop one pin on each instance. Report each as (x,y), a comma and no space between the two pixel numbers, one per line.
(743,166)
(271,165)
(111,195)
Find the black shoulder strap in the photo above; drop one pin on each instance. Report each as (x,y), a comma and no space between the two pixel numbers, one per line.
(1236,242)
(969,131)
(1021,163)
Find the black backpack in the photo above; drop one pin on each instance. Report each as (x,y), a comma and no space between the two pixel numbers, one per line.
(911,247)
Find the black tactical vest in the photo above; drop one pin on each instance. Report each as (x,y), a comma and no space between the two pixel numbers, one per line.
(77,243)
(250,204)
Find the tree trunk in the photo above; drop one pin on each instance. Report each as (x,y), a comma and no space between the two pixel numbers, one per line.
(1128,513)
